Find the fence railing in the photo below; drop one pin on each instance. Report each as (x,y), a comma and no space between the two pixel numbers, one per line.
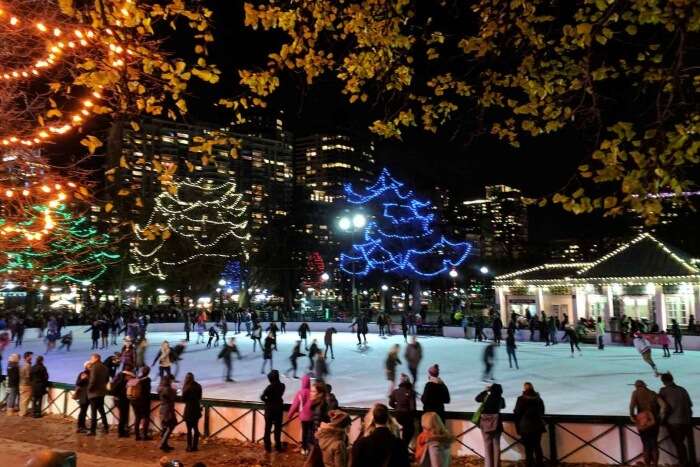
(568,438)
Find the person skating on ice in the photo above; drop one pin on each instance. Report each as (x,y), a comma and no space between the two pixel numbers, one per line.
(256,335)
(600,332)
(328,342)
(404,327)
(361,328)
(677,337)
(313,351)
(665,342)
(320,368)
(510,349)
(644,348)
(213,333)
(304,331)
(497,328)
(392,360)
(413,355)
(488,358)
(268,348)
(272,328)
(226,355)
(296,353)
(570,334)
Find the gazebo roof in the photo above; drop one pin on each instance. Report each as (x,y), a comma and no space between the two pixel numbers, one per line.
(643,258)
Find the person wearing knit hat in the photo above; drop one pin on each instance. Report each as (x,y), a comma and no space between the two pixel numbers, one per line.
(435,394)
(333,439)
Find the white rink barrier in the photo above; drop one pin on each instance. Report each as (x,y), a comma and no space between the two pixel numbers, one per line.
(569,439)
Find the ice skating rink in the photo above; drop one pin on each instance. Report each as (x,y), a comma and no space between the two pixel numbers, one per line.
(596,383)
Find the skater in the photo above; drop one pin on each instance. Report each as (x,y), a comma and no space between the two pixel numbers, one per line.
(390,366)
(532,325)
(302,404)
(104,333)
(489,358)
(176,356)
(570,334)
(225,355)
(192,396)
(66,341)
(360,325)
(201,329)
(644,348)
(188,327)
(283,324)
(274,408)
(127,356)
(490,423)
(478,328)
(163,358)
(677,337)
(404,328)
(272,328)
(256,335)
(679,421)
(223,325)
(552,327)
(413,355)
(304,330)
(213,334)
(313,350)
(403,401)
(510,349)
(645,412)
(497,328)
(380,324)
(268,348)
(320,368)
(296,353)
(114,328)
(141,347)
(19,333)
(435,393)
(600,332)
(665,342)
(544,330)
(94,331)
(328,342)
(412,324)
(528,412)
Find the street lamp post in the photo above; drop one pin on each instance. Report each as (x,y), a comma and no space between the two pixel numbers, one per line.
(222,283)
(384,304)
(324,291)
(352,225)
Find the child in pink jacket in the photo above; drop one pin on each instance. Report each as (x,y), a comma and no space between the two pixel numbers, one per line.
(665,342)
(302,405)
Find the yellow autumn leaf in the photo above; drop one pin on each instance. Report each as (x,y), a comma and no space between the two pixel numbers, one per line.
(123,192)
(54,113)
(182,105)
(91,143)
(166,234)
(109,207)
(135,126)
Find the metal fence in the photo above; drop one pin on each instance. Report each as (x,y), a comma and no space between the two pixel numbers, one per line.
(568,438)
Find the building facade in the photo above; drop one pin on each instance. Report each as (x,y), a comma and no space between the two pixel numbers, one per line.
(643,279)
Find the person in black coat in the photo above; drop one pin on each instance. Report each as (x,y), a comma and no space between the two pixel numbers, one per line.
(39,378)
(226,355)
(81,398)
(296,353)
(313,350)
(403,401)
(142,406)
(528,412)
(268,348)
(491,424)
(435,394)
(497,328)
(192,395)
(274,407)
(121,401)
(381,447)
(304,330)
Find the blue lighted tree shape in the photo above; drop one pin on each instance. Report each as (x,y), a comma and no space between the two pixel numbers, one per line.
(401,237)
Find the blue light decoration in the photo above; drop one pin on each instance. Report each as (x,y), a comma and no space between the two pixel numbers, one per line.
(401,239)
(233,275)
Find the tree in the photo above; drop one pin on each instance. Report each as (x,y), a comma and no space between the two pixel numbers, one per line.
(195,228)
(234,275)
(401,238)
(314,269)
(622,73)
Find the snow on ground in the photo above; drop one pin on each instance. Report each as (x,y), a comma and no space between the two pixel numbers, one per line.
(597,383)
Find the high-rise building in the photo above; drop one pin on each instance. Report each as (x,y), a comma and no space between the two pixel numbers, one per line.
(261,168)
(497,224)
(323,164)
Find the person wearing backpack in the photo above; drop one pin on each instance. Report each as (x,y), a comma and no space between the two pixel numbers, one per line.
(138,391)
(646,408)
(490,423)
(528,412)
(119,386)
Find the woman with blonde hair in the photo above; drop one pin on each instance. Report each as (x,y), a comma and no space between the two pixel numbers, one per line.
(368,425)
(433,444)
(163,358)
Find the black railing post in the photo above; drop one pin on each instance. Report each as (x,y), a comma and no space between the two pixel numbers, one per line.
(553,457)
(65,401)
(206,421)
(623,444)
(255,415)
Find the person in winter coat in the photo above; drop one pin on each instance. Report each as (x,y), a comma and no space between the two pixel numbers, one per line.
(66,341)
(497,328)
(96,392)
(328,342)
(435,393)
(645,404)
(403,401)
(128,354)
(25,383)
(268,348)
(433,443)
(213,333)
(361,328)
(331,400)
(600,332)
(188,328)
(333,439)
(510,349)
(13,383)
(296,353)
(677,337)
(192,395)
(413,355)
(313,350)
(168,419)
(39,378)
(274,409)
(665,343)
(491,424)
(320,367)
(404,328)
(141,347)
(81,384)
(679,419)
(570,334)
(301,405)
(226,355)
(94,331)
(142,406)
(121,401)
(163,359)
(489,358)
(304,331)
(380,447)
(528,412)
(256,335)
(644,348)
(392,360)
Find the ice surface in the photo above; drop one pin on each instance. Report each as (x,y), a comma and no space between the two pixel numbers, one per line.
(599,382)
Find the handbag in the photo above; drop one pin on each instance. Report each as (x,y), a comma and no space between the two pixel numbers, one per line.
(645,420)
(489,422)
(476,418)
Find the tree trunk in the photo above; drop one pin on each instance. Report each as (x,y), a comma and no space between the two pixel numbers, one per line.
(416,292)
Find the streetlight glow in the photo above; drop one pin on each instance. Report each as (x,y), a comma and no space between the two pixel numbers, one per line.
(359,221)
(132,288)
(325,277)
(344,223)
(453,273)
(222,282)
(385,287)
(484,270)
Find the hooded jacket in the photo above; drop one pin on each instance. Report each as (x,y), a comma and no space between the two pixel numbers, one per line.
(333,443)
(302,401)
(528,412)
(272,395)
(403,398)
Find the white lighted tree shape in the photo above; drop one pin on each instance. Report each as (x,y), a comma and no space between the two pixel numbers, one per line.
(194,222)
